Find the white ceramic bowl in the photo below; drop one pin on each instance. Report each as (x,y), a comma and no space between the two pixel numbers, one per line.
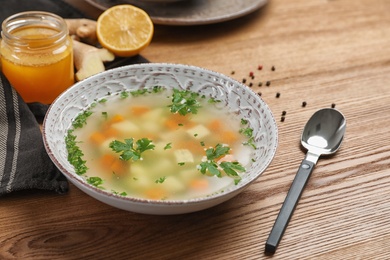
(235,96)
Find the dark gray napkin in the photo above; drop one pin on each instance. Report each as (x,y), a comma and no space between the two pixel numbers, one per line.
(24,163)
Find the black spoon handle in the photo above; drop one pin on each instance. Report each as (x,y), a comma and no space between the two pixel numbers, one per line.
(289,204)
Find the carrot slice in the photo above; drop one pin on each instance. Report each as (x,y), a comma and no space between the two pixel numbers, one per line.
(112,164)
(139,110)
(119,167)
(171,124)
(215,125)
(199,184)
(155,193)
(97,138)
(111,132)
(106,161)
(176,120)
(117,118)
(229,137)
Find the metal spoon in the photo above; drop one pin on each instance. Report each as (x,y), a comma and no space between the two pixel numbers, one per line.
(322,135)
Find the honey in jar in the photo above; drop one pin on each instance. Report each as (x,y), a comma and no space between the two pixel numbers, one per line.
(37,55)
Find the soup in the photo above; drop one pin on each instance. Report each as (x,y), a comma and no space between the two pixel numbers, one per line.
(160,144)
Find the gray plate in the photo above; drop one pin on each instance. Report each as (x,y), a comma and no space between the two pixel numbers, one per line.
(190,12)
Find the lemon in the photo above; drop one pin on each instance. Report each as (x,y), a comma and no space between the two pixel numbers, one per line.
(125,30)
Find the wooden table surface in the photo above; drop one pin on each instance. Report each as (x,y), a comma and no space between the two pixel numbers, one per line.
(324,52)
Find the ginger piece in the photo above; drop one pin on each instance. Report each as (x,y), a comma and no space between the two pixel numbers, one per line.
(84,29)
(89,60)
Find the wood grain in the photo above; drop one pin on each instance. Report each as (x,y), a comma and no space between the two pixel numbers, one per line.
(324,52)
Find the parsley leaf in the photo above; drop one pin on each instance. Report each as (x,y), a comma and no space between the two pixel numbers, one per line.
(119,193)
(218,151)
(81,119)
(160,180)
(127,149)
(139,92)
(75,154)
(124,94)
(250,142)
(104,114)
(244,121)
(95,181)
(211,167)
(248,132)
(184,102)
(231,169)
(213,101)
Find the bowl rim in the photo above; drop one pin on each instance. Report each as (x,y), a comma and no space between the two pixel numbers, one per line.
(74,178)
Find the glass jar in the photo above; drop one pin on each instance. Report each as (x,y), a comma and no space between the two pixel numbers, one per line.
(37,55)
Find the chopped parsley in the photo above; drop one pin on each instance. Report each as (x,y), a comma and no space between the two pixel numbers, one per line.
(124,94)
(140,92)
(218,151)
(120,194)
(160,180)
(95,181)
(81,119)
(248,132)
(168,146)
(127,149)
(231,169)
(75,154)
(213,101)
(105,115)
(250,142)
(157,89)
(184,102)
(211,165)
(244,121)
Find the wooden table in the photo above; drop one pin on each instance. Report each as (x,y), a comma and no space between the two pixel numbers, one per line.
(324,52)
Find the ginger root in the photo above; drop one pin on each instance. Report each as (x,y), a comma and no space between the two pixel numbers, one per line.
(83,29)
(89,60)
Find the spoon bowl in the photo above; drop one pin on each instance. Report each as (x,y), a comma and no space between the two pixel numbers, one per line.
(322,135)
